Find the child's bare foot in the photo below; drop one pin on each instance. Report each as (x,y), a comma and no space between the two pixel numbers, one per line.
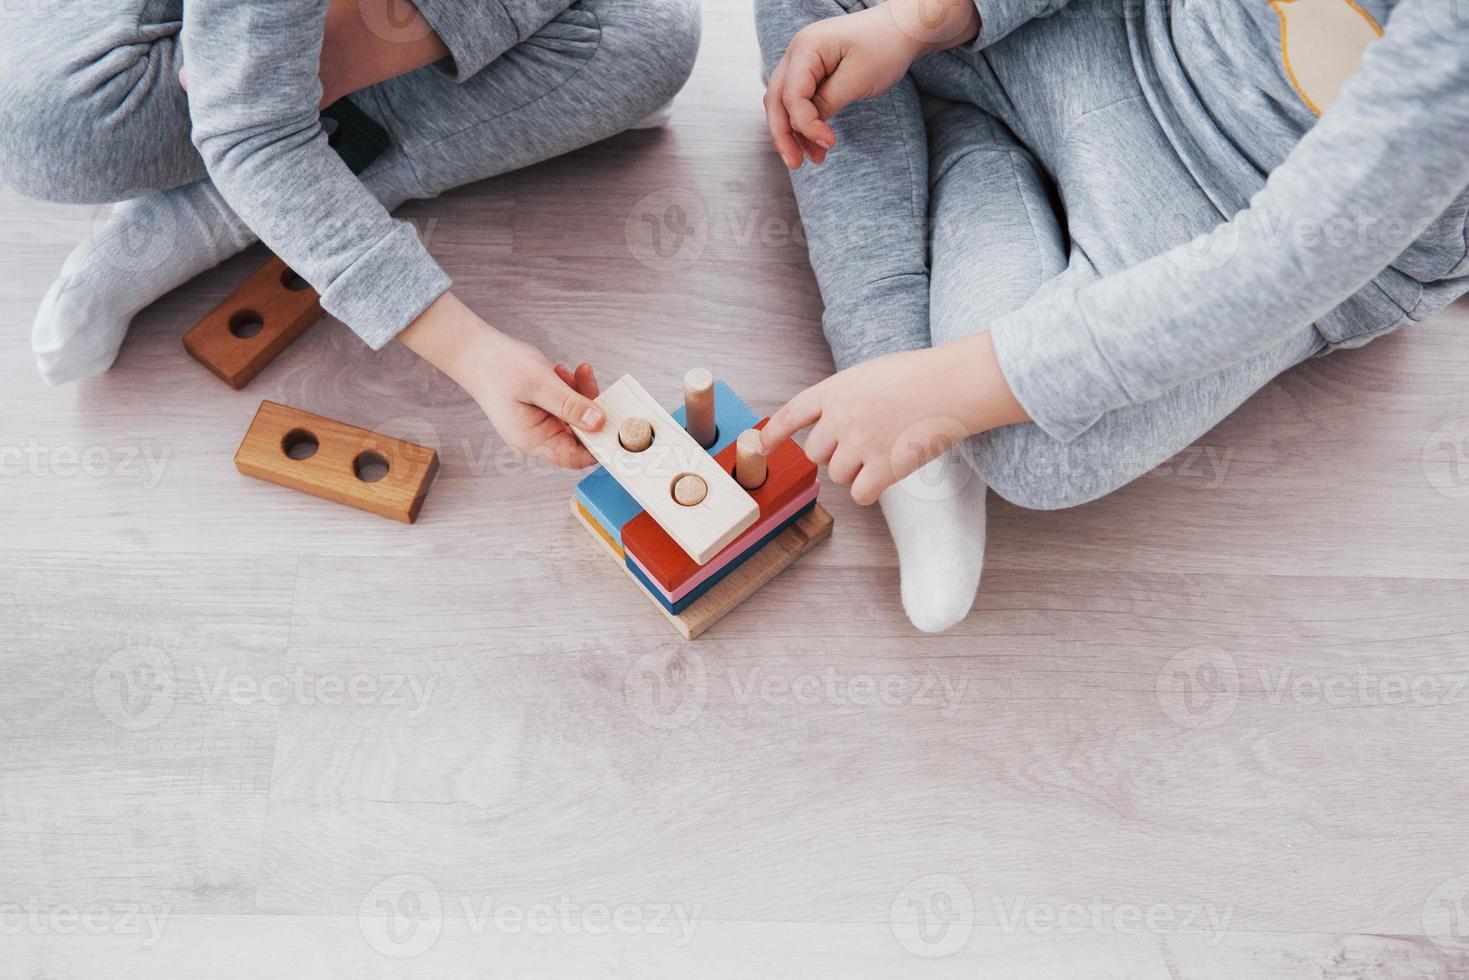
(146,248)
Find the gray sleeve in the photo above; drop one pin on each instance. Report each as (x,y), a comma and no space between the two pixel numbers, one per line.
(1383,163)
(478,33)
(253,95)
(998,18)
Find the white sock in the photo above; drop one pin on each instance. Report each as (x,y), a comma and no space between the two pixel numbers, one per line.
(936,516)
(146,248)
(658,117)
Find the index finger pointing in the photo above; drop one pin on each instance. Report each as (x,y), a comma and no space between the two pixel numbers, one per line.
(792,417)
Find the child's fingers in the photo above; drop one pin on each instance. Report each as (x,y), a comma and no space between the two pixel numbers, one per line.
(563,450)
(779,123)
(803,76)
(562,400)
(791,418)
(844,465)
(586,380)
(821,443)
(816,153)
(869,485)
(564,373)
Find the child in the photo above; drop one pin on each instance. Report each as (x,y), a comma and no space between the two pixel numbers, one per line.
(203,118)
(1071,238)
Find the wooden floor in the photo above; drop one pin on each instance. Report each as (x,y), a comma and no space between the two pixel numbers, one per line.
(1213,726)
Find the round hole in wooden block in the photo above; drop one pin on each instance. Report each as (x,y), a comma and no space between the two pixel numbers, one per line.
(294,282)
(635,434)
(370,466)
(689,489)
(299,444)
(246,324)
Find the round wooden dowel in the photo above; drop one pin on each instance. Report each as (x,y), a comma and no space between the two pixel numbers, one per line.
(635,434)
(750,468)
(698,403)
(690,490)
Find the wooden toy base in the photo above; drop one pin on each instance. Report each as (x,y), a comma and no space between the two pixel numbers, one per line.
(742,583)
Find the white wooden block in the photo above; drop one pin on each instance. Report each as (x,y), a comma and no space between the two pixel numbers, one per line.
(702,530)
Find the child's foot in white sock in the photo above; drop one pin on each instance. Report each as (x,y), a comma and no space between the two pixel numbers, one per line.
(658,117)
(937,519)
(146,248)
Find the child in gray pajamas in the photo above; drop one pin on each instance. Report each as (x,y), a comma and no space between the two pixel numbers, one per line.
(203,118)
(1069,238)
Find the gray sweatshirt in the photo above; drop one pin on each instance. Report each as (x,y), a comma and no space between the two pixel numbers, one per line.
(1360,225)
(253,92)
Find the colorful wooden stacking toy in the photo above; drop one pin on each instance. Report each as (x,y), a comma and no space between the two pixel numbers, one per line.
(700,528)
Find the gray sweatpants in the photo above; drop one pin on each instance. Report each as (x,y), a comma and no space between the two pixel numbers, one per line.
(91,109)
(931,218)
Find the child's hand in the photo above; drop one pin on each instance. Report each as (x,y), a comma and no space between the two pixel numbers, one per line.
(834,62)
(879,421)
(534,405)
(530,402)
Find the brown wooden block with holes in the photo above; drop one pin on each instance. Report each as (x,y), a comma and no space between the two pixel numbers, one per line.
(337,461)
(254,324)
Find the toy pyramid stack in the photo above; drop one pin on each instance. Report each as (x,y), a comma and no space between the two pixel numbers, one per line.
(686,502)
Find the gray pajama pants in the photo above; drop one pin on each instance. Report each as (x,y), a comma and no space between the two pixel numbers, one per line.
(940,209)
(106,120)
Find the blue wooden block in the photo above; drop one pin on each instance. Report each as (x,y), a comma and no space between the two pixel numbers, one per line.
(717,577)
(612,507)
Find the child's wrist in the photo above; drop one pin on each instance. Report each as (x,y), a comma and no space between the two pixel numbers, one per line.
(927,26)
(988,401)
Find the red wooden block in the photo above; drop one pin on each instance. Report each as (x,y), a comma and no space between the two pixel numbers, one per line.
(789,473)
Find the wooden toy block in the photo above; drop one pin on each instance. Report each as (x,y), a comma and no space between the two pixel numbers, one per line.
(337,462)
(701,529)
(790,474)
(607,503)
(765,564)
(727,561)
(254,324)
(275,306)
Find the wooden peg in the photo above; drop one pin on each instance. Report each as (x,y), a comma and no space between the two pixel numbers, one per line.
(698,400)
(338,462)
(690,490)
(635,434)
(750,467)
(254,324)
